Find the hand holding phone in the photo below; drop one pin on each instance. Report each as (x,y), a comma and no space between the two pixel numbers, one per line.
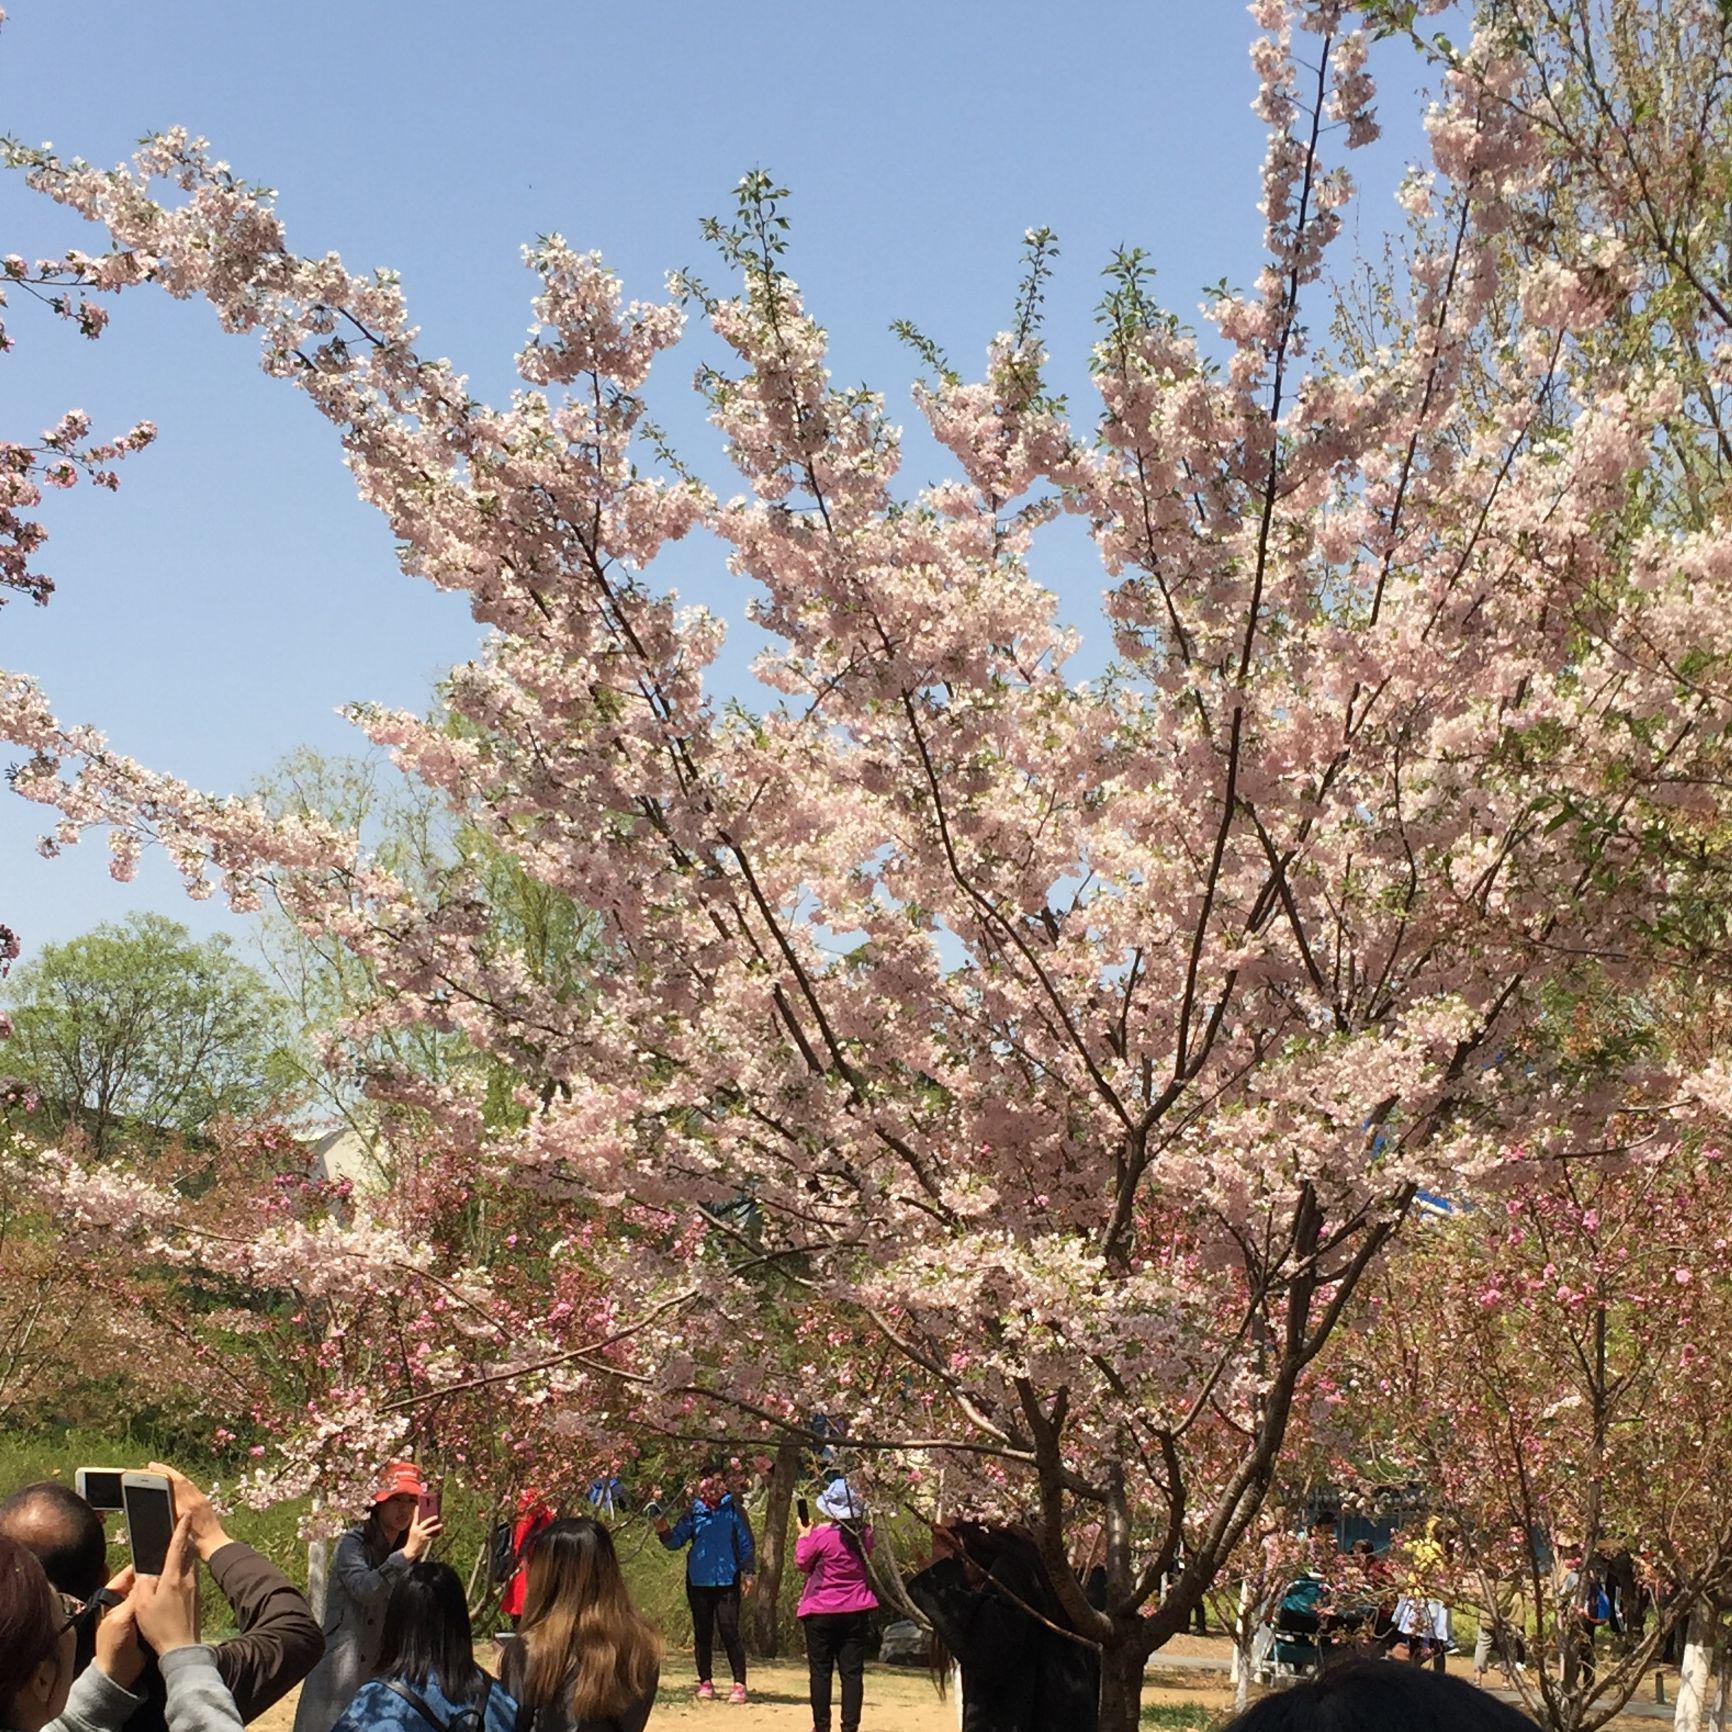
(119,1654)
(166,1602)
(208,1533)
(423,1531)
(804,1511)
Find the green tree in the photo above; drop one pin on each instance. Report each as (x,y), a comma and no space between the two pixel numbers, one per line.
(139,1029)
(451,862)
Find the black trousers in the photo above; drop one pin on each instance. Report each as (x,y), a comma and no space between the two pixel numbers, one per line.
(716,1609)
(836,1641)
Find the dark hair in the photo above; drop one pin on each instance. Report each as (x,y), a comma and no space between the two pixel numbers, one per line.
(63,1532)
(1016,1575)
(379,1544)
(427,1637)
(27,1620)
(1009,1557)
(1362,1695)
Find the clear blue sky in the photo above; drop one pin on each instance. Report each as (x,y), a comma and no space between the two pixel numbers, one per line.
(213,615)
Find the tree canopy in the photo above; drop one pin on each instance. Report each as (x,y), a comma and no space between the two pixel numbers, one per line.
(139,1027)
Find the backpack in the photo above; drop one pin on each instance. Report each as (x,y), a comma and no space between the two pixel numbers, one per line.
(501,1553)
(470,1718)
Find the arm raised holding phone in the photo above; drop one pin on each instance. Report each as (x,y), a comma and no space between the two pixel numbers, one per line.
(158,1612)
(279,1641)
(165,1608)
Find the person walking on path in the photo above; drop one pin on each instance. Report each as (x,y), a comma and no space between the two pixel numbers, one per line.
(718,1572)
(365,1565)
(584,1659)
(837,1602)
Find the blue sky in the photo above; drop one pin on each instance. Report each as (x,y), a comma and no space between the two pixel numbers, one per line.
(213,615)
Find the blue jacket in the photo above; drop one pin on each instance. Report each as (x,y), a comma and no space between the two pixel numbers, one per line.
(721,1542)
(377,1708)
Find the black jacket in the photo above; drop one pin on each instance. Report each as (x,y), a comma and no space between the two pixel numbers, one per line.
(1018,1674)
(278,1645)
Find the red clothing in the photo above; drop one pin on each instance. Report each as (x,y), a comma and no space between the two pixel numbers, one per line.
(529,1524)
(835,1572)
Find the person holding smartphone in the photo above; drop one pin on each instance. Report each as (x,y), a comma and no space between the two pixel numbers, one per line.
(38,1643)
(277,1641)
(365,1565)
(718,1571)
(837,1602)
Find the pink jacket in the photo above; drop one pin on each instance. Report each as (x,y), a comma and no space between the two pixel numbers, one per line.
(835,1577)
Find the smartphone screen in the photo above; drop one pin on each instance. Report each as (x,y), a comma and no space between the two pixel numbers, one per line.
(149,1520)
(805,1510)
(100,1487)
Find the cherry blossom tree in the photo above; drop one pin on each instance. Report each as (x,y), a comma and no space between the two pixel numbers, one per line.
(70,287)
(278,1303)
(1550,1369)
(1077,1044)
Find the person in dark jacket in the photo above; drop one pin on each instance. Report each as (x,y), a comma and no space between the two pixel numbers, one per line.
(279,1641)
(364,1566)
(991,1603)
(718,1572)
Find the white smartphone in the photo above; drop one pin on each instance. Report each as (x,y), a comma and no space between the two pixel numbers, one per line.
(100,1486)
(148,1500)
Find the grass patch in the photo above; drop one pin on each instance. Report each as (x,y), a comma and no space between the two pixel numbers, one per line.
(655,1576)
(1179,1716)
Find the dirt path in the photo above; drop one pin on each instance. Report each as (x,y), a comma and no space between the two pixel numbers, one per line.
(897,1700)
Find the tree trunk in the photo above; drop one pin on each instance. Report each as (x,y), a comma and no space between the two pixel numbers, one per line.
(763,1625)
(1244,1631)
(318,1574)
(1122,1663)
(1722,1679)
(1696,1674)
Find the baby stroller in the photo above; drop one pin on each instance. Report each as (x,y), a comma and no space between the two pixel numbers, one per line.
(1295,1626)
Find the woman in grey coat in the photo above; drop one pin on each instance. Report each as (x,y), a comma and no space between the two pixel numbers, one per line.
(364,1563)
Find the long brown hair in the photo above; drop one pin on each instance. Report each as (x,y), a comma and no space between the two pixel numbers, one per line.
(586,1641)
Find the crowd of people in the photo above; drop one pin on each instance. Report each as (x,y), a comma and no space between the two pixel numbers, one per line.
(1368,1603)
(82,1650)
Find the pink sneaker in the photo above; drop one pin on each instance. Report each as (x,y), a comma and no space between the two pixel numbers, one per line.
(706,1691)
(737,1695)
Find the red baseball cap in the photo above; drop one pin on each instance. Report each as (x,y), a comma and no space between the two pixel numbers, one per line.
(400,1479)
